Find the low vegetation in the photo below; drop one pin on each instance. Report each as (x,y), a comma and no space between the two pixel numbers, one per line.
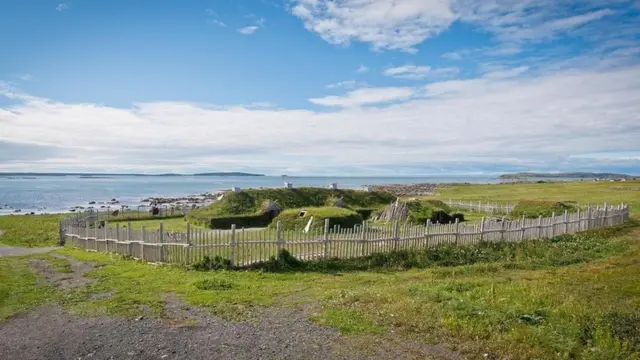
(30,230)
(532,209)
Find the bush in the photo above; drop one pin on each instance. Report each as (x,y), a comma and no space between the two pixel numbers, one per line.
(213,284)
(532,209)
(291,219)
(249,202)
(208,263)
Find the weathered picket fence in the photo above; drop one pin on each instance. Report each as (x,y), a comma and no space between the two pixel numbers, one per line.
(247,246)
(485,207)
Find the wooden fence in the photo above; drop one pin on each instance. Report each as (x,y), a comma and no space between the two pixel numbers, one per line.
(246,246)
(480,206)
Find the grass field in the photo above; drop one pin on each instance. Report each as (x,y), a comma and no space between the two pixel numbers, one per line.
(574,297)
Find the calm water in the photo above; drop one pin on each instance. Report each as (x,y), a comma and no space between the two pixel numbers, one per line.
(60,193)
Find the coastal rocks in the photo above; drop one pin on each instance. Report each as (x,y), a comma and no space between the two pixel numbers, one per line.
(406,189)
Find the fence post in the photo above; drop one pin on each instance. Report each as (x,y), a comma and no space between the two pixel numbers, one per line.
(95,229)
(279,237)
(232,247)
(523,229)
(482,229)
(129,231)
(396,237)
(118,232)
(606,208)
(188,243)
(363,244)
(326,238)
(588,218)
(161,237)
(86,229)
(61,232)
(502,230)
(106,230)
(457,230)
(566,222)
(553,224)
(539,226)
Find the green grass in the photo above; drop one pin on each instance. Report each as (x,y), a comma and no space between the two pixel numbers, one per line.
(582,192)
(20,288)
(171,224)
(291,219)
(532,209)
(30,231)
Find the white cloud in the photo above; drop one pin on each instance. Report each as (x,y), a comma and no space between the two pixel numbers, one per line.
(452,56)
(506,73)
(366,96)
(362,69)
(63,6)
(475,122)
(217,22)
(27,77)
(385,24)
(347,84)
(413,72)
(403,24)
(248,30)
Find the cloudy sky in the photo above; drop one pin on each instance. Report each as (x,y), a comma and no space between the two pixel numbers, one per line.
(327,87)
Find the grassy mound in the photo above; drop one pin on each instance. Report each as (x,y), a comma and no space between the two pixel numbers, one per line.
(249,202)
(434,210)
(535,208)
(291,219)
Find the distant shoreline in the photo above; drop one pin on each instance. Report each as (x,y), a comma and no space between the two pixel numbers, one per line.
(568,175)
(109,175)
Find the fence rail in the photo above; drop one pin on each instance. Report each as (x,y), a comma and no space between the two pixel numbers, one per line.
(246,246)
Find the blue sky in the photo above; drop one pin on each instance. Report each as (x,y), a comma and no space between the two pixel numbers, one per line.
(331,87)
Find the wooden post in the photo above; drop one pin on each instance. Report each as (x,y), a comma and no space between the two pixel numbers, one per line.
(188,260)
(588,219)
(326,238)
(523,229)
(566,222)
(502,230)
(106,227)
(579,220)
(363,246)
(61,232)
(428,227)
(457,230)
(232,247)
(553,224)
(161,239)
(86,230)
(396,237)
(539,226)
(606,208)
(95,229)
(279,237)
(129,231)
(118,232)
(482,229)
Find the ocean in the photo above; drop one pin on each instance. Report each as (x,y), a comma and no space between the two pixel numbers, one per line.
(54,194)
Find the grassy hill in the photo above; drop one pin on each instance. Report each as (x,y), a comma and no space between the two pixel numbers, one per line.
(250,201)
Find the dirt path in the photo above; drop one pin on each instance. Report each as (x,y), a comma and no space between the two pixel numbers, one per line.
(183,332)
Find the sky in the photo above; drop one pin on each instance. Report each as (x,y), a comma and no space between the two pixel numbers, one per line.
(320,87)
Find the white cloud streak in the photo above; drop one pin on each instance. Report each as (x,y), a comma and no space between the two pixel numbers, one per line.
(412,72)
(63,6)
(476,121)
(248,30)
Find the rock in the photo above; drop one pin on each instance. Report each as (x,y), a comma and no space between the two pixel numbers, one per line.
(32,213)
(17,210)
(92,202)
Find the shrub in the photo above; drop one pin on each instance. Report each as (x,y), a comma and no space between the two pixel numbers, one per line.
(213,284)
(535,208)
(365,213)
(208,263)
(291,219)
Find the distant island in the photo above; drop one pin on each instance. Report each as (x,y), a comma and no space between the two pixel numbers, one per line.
(567,175)
(106,175)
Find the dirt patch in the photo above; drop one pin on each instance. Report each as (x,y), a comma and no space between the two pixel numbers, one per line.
(19,251)
(63,280)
